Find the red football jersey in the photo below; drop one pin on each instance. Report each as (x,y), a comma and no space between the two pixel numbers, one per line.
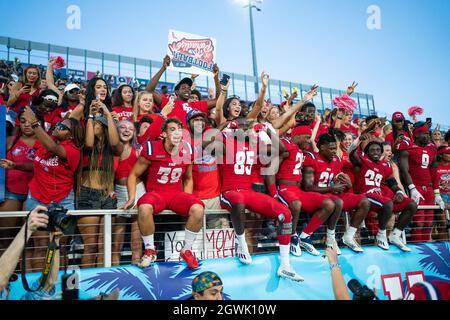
(123,113)
(291,167)
(236,166)
(441,178)
(166,172)
(324,171)
(420,160)
(372,175)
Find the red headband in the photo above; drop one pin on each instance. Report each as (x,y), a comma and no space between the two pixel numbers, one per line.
(422,129)
(444,150)
(301,130)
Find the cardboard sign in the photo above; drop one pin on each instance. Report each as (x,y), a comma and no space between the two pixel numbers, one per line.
(191,53)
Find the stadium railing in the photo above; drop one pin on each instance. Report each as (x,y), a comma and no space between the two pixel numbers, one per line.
(258,237)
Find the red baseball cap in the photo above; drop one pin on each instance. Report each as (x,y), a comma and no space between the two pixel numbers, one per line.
(398,116)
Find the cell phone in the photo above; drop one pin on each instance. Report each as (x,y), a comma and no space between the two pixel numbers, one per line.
(224,79)
(171,99)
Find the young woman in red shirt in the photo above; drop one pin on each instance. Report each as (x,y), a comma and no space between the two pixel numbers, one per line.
(25,89)
(123,99)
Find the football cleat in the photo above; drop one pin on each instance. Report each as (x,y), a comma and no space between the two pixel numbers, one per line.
(189,258)
(148,258)
(306,244)
(396,240)
(382,241)
(243,255)
(352,244)
(289,273)
(330,243)
(295,248)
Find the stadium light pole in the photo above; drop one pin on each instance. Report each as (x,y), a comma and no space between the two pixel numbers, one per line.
(253,4)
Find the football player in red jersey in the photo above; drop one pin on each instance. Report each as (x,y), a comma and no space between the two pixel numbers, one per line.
(167,164)
(417,158)
(371,174)
(240,153)
(441,177)
(323,173)
(288,179)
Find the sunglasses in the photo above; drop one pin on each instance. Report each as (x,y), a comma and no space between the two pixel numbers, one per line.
(398,121)
(62,126)
(51,98)
(235,97)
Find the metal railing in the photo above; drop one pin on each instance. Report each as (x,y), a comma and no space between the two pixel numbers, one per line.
(259,242)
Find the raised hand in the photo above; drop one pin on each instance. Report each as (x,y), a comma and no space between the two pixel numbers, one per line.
(311,93)
(351,88)
(193,76)
(215,70)
(37,219)
(225,87)
(264,79)
(29,115)
(166,61)
(51,61)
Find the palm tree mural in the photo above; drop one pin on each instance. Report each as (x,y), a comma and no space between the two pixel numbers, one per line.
(437,258)
(165,281)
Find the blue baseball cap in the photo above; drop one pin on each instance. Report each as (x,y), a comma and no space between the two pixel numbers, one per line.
(194,113)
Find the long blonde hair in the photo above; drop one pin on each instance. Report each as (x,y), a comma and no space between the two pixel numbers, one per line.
(137,101)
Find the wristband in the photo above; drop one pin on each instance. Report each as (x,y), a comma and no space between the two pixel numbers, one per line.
(334,265)
(224,92)
(400,191)
(437,192)
(36,124)
(411,186)
(91,116)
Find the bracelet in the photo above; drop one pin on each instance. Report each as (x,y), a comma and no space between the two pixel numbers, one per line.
(91,116)
(163,116)
(411,186)
(224,92)
(334,265)
(400,191)
(36,124)
(437,192)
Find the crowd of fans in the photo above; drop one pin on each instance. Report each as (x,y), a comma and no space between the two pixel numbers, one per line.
(89,147)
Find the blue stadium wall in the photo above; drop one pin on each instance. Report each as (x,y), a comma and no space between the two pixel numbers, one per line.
(390,272)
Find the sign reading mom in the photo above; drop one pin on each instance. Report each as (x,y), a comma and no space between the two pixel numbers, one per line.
(191,53)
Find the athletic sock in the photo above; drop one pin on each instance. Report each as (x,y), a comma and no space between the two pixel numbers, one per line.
(312,226)
(242,242)
(397,233)
(148,242)
(284,256)
(351,232)
(189,238)
(382,232)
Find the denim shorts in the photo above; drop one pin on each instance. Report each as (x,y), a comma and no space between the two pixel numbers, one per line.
(446,197)
(15,196)
(68,202)
(91,199)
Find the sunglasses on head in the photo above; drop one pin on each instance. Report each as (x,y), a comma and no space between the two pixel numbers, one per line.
(51,98)
(62,126)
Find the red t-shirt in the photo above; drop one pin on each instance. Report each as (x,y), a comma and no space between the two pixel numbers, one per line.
(60,112)
(324,171)
(236,167)
(153,132)
(54,178)
(390,137)
(125,166)
(420,160)
(181,108)
(2,102)
(349,128)
(23,100)
(123,113)
(205,173)
(16,180)
(441,178)
(372,175)
(291,167)
(165,173)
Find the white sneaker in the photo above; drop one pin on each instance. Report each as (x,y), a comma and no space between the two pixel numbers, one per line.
(148,258)
(382,241)
(243,255)
(307,245)
(295,249)
(396,240)
(352,244)
(330,245)
(289,273)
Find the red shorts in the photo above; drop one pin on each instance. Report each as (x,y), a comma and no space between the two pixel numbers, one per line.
(350,200)
(178,202)
(377,201)
(257,202)
(311,201)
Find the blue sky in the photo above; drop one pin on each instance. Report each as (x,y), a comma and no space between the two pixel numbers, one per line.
(322,41)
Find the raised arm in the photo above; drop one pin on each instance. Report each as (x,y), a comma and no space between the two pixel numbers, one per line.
(47,142)
(220,102)
(212,102)
(262,94)
(50,79)
(151,87)
(278,123)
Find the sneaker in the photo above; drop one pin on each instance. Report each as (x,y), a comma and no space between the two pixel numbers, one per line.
(289,273)
(148,258)
(295,248)
(382,241)
(330,245)
(352,244)
(396,240)
(189,258)
(243,255)
(306,244)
